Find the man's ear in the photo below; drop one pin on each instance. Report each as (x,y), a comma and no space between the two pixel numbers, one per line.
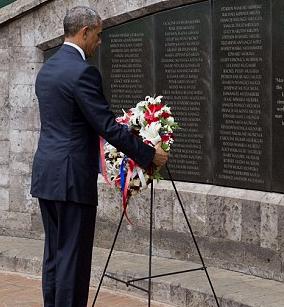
(84,32)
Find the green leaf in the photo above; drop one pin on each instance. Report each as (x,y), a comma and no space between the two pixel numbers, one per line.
(165,147)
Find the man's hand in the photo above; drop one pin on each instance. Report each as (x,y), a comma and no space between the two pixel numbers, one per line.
(161,157)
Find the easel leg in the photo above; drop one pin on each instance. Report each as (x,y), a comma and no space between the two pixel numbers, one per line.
(108,259)
(193,237)
(151,244)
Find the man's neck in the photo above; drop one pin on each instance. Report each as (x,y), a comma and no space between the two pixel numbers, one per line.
(76,46)
(73,41)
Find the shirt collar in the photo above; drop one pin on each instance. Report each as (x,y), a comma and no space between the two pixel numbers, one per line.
(78,48)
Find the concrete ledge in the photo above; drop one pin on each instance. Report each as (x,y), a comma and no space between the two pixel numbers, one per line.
(186,290)
(17,8)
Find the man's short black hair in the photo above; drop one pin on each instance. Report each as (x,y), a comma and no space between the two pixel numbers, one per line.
(79,17)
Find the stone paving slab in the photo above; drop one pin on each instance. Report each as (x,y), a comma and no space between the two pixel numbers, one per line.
(19,290)
(186,290)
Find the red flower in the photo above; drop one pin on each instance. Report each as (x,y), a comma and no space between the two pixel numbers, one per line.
(150,117)
(165,115)
(155,107)
(166,137)
(150,113)
(124,120)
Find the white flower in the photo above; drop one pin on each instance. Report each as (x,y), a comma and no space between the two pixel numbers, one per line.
(141,104)
(153,100)
(151,133)
(167,109)
(158,99)
(150,100)
(170,120)
(137,116)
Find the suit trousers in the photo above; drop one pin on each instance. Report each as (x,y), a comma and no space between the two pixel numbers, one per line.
(69,233)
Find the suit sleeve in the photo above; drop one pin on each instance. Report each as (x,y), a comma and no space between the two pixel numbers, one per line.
(90,98)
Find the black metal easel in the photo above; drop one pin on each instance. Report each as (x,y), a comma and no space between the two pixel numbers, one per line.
(130,283)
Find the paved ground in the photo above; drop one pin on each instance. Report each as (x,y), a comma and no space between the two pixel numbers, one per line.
(192,289)
(19,290)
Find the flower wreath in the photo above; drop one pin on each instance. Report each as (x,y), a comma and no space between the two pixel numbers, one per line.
(153,122)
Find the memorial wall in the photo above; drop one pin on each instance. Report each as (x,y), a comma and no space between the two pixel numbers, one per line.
(242,93)
(219,65)
(167,54)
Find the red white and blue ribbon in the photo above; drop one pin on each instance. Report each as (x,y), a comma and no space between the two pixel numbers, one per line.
(125,174)
(125,180)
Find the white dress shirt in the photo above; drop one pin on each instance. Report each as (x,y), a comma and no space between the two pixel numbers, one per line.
(78,48)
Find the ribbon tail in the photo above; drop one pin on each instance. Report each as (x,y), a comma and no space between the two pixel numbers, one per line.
(103,161)
(141,177)
(125,191)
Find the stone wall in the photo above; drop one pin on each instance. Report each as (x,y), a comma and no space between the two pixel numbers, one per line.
(236,229)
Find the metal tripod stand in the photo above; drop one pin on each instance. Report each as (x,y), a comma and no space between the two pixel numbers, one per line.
(130,283)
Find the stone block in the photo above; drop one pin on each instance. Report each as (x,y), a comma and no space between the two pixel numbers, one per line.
(37,224)
(4,37)
(4,126)
(152,6)
(22,96)
(4,199)
(4,152)
(4,58)
(15,33)
(174,244)
(199,299)
(109,207)
(196,210)
(72,3)
(163,209)
(49,21)
(280,224)
(21,163)
(15,220)
(110,8)
(23,141)
(4,82)
(22,31)
(21,55)
(4,175)
(161,289)
(216,216)
(37,123)
(233,218)
(24,118)
(269,226)
(260,261)
(4,105)
(272,198)
(20,197)
(135,5)
(24,73)
(224,253)
(251,220)
(178,295)
(139,209)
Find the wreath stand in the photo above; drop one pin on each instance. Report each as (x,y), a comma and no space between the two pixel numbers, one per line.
(130,283)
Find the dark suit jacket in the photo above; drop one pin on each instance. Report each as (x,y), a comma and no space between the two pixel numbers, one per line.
(73,114)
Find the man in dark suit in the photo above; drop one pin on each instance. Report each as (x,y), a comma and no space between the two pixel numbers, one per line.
(74,113)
